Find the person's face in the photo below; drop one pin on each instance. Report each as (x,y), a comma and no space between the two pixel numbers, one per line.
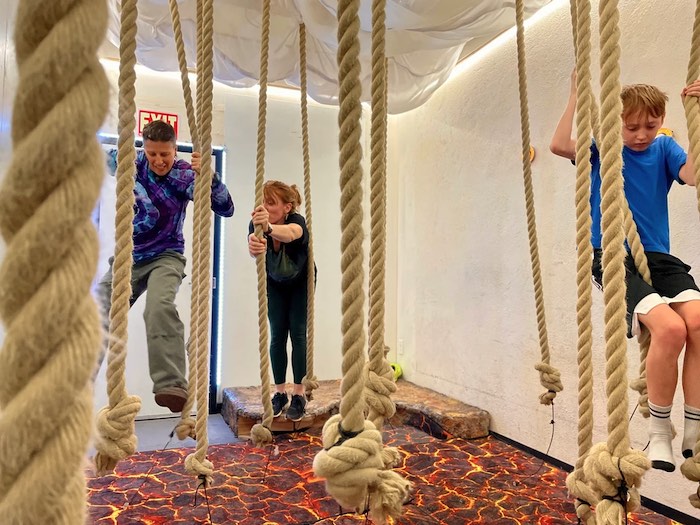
(277,209)
(160,155)
(640,130)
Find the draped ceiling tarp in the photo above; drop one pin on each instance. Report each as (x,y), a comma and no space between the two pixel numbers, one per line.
(425,39)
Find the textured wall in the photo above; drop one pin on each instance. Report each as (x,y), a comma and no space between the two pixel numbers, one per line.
(467,319)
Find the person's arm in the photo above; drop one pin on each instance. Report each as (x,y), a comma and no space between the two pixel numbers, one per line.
(256,246)
(280,232)
(221,201)
(284,232)
(687,171)
(563,144)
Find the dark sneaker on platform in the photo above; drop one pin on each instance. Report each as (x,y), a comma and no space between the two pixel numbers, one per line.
(296,408)
(280,401)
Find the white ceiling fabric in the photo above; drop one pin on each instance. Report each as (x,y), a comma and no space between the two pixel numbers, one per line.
(425,39)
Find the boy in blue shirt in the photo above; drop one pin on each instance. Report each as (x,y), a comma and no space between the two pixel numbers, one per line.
(163,188)
(670,310)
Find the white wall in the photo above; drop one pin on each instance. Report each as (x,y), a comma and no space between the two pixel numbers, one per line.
(467,319)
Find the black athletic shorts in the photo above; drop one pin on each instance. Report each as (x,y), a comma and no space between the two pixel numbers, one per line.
(669,276)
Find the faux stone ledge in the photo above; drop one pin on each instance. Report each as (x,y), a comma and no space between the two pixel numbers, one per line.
(417,406)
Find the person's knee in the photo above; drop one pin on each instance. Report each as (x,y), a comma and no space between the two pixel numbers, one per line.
(670,336)
(692,322)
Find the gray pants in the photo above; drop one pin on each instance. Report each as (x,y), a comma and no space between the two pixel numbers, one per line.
(165,333)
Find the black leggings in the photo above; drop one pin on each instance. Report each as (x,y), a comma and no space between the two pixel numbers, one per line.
(286,310)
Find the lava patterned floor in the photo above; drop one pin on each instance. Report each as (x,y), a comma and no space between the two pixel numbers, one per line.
(456,482)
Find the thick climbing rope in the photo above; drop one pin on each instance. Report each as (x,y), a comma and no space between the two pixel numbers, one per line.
(691,466)
(550,377)
(184,73)
(640,262)
(613,470)
(197,463)
(310,381)
(45,220)
(639,384)
(351,460)
(186,425)
(576,482)
(116,430)
(379,375)
(260,434)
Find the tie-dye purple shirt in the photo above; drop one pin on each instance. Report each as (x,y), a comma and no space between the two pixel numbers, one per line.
(161,203)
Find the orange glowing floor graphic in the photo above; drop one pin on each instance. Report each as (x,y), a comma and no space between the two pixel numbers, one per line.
(456,482)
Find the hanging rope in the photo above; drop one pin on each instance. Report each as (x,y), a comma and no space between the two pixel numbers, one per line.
(184,73)
(260,434)
(640,261)
(576,481)
(310,381)
(197,463)
(379,374)
(45,219)
(186,426)
(614,471)
(639,384)
(116,431)
(691,466)
(351,460)
(550,377)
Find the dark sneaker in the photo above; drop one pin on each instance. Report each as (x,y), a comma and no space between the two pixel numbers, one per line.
(172,397)
(280,401)
(296,408)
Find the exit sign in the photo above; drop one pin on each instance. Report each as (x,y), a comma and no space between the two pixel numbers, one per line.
(146,116)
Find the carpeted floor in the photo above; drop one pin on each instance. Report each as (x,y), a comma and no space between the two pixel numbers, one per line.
(456,482)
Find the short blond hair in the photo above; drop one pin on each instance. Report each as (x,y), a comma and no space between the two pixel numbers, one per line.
(643,98)
(284,192)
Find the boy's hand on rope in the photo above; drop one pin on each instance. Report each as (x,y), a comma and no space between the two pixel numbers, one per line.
(261,217)
(692,90)
(196,161)
(256,246)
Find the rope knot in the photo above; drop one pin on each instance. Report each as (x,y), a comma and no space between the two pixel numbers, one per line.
(260,435)
(550,378)
(310,384)
(353,466)
(186,428)
(378,389)
(116,437)
(584,494)
(616,480)
(204,469)
(691,468)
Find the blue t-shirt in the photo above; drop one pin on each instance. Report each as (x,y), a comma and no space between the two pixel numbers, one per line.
(648,176)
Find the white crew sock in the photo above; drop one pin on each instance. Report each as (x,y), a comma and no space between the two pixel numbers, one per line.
(691,430)
(660,438)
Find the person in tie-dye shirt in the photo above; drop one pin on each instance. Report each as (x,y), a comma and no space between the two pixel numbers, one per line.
(164,186)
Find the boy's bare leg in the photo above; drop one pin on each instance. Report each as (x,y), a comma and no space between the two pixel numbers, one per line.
(690,312)
(668,336)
